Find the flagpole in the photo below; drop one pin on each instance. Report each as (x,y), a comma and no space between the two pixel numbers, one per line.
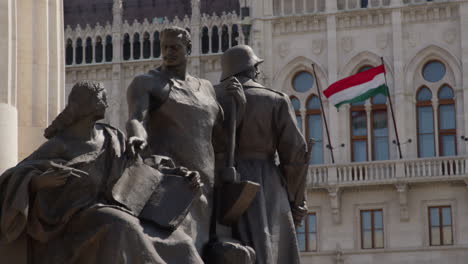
(323,115)
(391,110)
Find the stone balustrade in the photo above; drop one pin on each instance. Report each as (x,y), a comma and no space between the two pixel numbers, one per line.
(357,4)
(416,2)
(297,7)
(389,172)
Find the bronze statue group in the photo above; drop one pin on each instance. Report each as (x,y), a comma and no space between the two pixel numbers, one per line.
(203,175)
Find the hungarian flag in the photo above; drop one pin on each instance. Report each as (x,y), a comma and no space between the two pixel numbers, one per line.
(357,87)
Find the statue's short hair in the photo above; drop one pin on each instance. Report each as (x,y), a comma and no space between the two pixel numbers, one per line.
(178,32)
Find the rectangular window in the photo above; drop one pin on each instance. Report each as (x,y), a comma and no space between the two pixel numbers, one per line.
(425,131)
(314,128)
(380,135)
(447,130)
(372,233)
(440,225)
(307,233)
(359,133)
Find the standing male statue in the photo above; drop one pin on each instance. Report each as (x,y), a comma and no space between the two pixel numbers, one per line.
(268,127)
(176,114)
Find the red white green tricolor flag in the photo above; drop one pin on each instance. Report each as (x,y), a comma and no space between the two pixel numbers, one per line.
(358,87)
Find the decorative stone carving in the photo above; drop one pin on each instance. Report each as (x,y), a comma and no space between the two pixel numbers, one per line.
(303,24)
(339,259)
(284,48)
(422,14)
(382,40)
(365,19)
(402,189)
(334,194)
(450,35)
(347,44)
(412,38)
(317,46)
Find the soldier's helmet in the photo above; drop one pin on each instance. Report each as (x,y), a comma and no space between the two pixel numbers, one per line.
(238,59)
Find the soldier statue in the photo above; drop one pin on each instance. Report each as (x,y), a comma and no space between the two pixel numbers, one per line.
(267,127)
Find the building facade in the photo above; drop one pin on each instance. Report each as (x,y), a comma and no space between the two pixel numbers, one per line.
(367,205)
(32,80)
(32,74)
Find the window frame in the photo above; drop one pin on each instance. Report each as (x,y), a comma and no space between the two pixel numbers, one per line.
(314,82)
(358,108)
(443,132)
(297,112)
(306,232)
(377,108)
(441,226)
(361,222)
(424,104)
(309,113)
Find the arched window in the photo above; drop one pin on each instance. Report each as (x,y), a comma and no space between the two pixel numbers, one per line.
(98,49)
(314,129)
(214,40)
(303,82)
(146,46)
(205,41)
(235,35)
(79,51)
(379,117)
(126,47)
(296,104)
(69,52)
(156,45)
(374,133)
(109,48)
(136,46)
(89,50)
(447,123)
(224,38)
(425,123)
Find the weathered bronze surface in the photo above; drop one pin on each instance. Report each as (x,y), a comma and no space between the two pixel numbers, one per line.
(63,196)
(195,157)
(268,128)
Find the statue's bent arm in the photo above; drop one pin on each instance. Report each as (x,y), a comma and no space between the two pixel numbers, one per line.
(138,98)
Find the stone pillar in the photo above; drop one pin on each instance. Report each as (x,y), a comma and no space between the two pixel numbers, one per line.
(195,26)
(332,54)
(40,78)
(31,81)
(398,92)
(464,59)
(56,89)
(8,112)
(117,83)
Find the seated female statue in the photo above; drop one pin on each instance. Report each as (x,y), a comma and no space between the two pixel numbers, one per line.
(60,196)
